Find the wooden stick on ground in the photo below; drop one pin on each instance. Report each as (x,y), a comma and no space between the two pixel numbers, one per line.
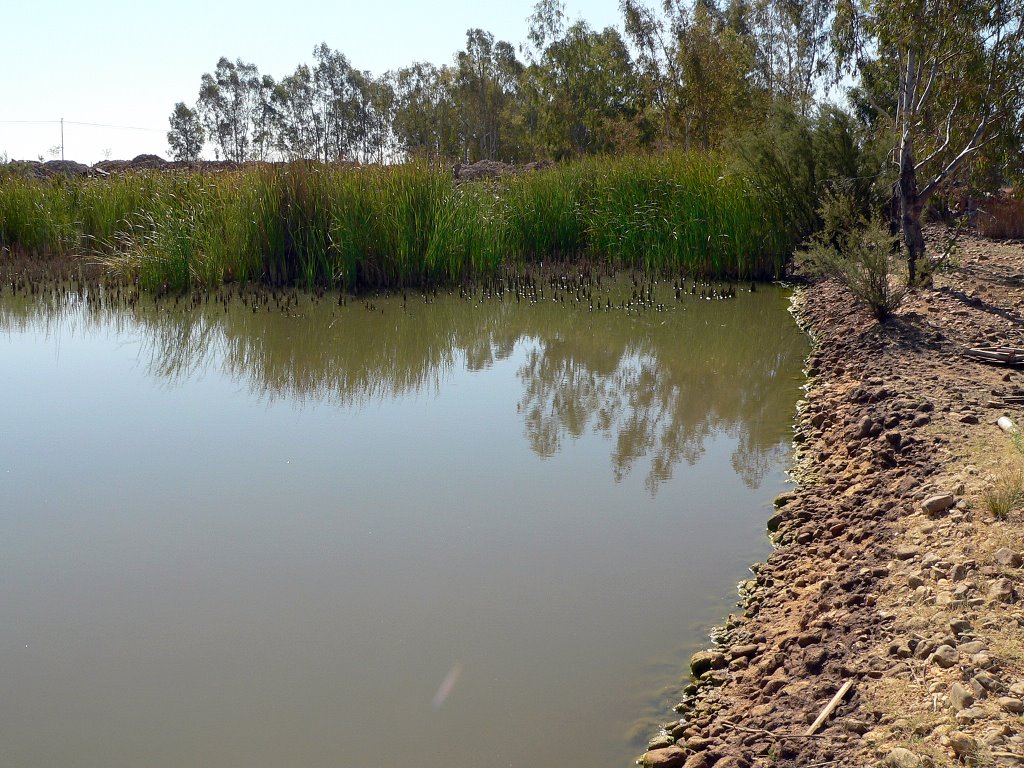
(829,708)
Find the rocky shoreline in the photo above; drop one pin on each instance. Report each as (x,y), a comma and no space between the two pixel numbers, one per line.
(885,628)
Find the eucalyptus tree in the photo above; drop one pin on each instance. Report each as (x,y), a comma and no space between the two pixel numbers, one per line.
(582,90)
(487,84)
(694,64)
(300,129)
(338,90)
(228,104)
(426,117)
(945,80)
(185,137)
(378,114)
(265,118)
(792,44)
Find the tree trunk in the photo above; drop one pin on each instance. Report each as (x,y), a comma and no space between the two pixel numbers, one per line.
(910,211)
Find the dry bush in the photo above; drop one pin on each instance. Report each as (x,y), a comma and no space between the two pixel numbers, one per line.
(1002,219)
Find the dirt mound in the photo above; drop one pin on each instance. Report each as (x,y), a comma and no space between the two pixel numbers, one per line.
(492,169)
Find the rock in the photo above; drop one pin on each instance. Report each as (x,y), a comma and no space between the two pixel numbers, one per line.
(960,697)
(934,505)
(969,715)
(733,761)
(670,757)
(864,428)
(739,651)
(702,661)
(903,758)
(972,648)
(906,553)
(783,499)
(1017,689)
(963,745)
(1006,556)
(986,681)
(700,760)
(982,660)
(1001,591)
(1010,704)
(944,656)
(959,626)
(914,581)
(697,744)
(661,741)
(969,418)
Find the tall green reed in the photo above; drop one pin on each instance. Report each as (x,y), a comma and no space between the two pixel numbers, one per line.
(407,225)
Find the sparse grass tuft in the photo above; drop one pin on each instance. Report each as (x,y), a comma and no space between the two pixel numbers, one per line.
(1005,493)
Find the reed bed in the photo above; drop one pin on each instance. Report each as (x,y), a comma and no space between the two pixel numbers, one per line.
(399,226)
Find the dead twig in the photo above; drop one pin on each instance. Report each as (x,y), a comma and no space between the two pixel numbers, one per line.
(829,708)
(769,734)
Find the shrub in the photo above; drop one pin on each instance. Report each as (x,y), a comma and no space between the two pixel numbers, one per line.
(859,252)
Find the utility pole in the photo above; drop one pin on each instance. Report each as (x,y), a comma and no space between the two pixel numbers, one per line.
(62,139)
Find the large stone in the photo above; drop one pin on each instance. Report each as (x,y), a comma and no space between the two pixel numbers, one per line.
(1006,556)
(670,757)
(963,744)
(903,758)
(972,648)
(969,715)
(661,741)
(933,505)
(944,656)
(1010,704)
(702,661)
(960,697)
(1001,591)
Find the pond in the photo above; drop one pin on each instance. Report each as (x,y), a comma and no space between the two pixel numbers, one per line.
(445,531)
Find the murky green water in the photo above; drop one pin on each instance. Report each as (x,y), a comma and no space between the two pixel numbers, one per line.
(450,535)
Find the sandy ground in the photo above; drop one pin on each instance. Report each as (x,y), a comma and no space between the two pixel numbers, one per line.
(892,571)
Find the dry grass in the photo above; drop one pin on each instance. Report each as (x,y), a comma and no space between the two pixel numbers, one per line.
(1002,219)
(1006,491)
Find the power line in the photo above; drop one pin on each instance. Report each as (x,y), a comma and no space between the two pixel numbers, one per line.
(91,125)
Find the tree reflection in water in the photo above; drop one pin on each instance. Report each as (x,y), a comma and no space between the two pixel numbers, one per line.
(658,385)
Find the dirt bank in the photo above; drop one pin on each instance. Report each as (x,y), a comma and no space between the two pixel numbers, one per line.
(919,610)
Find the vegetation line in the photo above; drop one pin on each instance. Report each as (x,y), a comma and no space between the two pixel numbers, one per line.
(365,227)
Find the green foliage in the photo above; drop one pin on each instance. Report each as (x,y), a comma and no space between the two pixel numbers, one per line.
(858,252)
(186,135)
(798,161)
(365,227)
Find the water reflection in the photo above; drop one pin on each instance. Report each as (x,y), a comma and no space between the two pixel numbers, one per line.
(656,385)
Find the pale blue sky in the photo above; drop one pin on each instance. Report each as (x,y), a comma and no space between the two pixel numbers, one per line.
(127,63)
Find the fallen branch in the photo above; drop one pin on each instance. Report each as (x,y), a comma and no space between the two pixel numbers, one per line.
(829,708)
(769,734)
